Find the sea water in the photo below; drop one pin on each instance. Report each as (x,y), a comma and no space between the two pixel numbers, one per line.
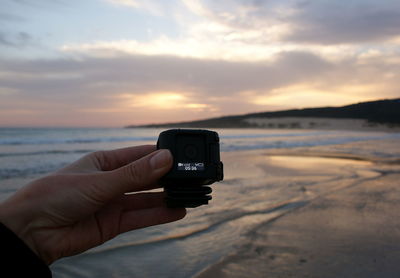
(247,197)
(29,152)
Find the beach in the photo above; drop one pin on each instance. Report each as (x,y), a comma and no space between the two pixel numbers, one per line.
(351,233)
(352,230)
(293,203)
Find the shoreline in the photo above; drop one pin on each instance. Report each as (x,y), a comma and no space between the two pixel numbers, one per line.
(326,238)
(262,184)
(383,128)
(366,150)
(247,230)
(322,238)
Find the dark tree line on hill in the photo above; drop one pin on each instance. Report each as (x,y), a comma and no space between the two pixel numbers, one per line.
(381,111)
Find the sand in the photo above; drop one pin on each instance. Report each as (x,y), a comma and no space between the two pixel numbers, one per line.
(351,231)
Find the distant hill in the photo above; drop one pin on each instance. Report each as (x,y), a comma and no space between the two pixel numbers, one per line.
(376,112)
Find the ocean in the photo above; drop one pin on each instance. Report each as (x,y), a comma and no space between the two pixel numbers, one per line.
(26,153)
(248,196)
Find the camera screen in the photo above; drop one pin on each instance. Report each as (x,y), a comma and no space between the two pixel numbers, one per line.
(182,166)
(191,152)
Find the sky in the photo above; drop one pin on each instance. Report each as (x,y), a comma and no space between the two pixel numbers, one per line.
(111,63)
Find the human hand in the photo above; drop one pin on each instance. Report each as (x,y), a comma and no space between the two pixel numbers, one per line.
(85,204)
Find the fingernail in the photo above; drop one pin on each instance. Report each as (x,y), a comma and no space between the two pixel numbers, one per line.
(161,159)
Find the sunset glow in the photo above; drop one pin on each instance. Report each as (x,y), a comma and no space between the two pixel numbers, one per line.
(120,62)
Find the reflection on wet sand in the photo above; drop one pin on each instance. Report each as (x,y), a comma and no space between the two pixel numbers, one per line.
(348,226)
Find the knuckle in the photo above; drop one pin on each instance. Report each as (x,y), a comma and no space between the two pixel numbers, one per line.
(135,173)
(100,159)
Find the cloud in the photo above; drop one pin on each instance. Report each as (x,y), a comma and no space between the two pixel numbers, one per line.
(157,8)
(135,82)
(238,30)
(139,73)
(17,40)
(129,3)
(335,22)
(226,57)
(303,21)
(201,47)
(127,89)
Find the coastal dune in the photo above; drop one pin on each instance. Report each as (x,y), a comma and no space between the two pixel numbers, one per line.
(379,115)
(319,123)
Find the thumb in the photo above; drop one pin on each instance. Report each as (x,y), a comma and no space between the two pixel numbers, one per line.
(141,174)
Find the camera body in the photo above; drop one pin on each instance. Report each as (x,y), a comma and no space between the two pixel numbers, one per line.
(196,163)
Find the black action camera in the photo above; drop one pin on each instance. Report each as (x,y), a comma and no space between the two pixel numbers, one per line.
(196,164)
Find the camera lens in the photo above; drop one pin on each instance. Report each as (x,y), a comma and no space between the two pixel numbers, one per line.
(190,151)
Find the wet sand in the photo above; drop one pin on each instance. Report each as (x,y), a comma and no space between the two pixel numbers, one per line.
(352,230)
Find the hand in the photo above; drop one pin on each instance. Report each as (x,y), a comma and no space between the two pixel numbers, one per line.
(85,204)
